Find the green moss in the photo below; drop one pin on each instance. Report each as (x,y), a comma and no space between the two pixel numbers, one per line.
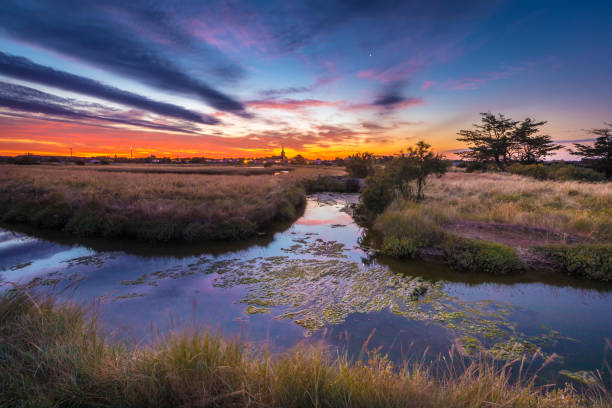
(481,256)
(592,261)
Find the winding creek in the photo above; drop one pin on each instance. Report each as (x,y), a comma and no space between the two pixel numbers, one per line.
(314,281)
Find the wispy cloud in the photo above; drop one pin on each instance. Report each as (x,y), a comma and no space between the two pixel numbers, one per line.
(25,69)
(28,100)
(289,104)
(88,32)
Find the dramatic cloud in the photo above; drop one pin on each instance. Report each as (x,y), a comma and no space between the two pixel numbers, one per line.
(29,100)
(89,32)
(24,69)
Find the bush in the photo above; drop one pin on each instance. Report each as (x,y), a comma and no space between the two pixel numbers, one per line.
(376,195)
(561,171)
(591,261)
(360,165)
(537,171)
(481,256)
(324,183)
(407,231)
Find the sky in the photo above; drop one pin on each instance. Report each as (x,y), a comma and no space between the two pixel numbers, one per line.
(321,78)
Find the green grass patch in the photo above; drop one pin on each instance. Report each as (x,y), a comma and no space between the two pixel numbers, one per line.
(481,256)
(591,261)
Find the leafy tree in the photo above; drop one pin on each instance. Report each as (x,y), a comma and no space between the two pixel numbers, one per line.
(601,151)
(490,140)
(422,163)
(399,176)
(360,165)
(299,159)
(529,147)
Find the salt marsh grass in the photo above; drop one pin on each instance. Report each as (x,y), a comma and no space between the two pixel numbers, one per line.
(147,205)
(562,206)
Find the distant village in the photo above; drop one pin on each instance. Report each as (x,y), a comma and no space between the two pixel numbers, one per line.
(281,159)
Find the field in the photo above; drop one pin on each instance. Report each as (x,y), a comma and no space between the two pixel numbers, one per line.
(160,203)
(55,355)
(511,219)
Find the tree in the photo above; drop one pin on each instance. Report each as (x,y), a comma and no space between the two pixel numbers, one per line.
(491,140)
(601,151)
(423,163)
(360,165)
(299,159)
(529,147)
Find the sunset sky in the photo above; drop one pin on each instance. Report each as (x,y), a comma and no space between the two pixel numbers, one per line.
(326,79)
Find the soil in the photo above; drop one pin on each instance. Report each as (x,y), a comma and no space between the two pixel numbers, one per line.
(521,237)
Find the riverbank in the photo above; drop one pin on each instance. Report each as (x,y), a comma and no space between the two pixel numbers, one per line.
(54,354)
(504,223)
(152,203)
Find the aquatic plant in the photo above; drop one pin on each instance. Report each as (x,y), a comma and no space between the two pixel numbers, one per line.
(54,354)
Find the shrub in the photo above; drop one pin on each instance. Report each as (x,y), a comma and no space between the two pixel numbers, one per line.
(376,195)
(561,171)
(481,256)
(569,172)
(407,231)
(592,261)
(537,171)
(324,183)
(360,165)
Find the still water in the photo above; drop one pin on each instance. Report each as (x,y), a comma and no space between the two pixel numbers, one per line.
(315,281)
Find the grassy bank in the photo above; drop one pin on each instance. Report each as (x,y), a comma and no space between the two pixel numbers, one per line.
(53,354)
(498,222)
(148,205)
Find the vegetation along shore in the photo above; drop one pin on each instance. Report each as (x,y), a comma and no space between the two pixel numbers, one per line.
(513,214)
(153,203)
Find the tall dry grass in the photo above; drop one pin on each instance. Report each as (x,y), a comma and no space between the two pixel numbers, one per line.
(564,206)
(150,206)
(53,354)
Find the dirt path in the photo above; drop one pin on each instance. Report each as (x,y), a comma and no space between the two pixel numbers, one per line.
(521,237)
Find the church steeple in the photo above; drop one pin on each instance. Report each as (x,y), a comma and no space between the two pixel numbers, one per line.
(282,156)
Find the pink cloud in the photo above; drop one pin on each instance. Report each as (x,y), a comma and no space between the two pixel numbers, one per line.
(395,73)
(428,84)
(289,104)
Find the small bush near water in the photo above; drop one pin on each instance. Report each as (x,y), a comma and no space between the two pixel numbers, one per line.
(591,261)
(408,228)
(481,256)
(54,355)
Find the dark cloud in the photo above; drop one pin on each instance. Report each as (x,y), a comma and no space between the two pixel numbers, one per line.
(103,35)
(28,100)
(24,69)
(391,98)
